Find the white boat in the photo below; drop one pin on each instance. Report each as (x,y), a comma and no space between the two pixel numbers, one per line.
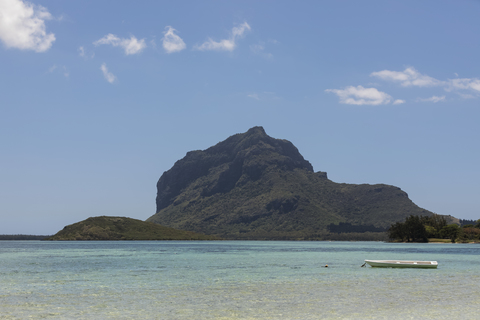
(401,264)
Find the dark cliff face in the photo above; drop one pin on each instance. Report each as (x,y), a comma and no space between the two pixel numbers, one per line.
(240,158)
(253,186)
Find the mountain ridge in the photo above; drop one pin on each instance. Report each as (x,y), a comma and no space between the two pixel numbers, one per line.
(253,186)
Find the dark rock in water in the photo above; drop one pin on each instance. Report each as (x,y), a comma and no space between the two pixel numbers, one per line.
(253,186)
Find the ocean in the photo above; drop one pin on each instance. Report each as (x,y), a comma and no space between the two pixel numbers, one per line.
(235,280)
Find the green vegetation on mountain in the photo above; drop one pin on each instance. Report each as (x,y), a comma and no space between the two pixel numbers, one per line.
(252,186)
(121,228)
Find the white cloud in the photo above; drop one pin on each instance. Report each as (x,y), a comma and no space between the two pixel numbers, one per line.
(433,99)
(171,41)
(240,30)
(254,96)
(225,44)
(411,77)
(408,77)
(464,84)
(131,46)
(108,76)
(362,96)
(22,26)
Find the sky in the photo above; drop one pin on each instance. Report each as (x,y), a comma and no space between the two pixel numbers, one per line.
(99,98)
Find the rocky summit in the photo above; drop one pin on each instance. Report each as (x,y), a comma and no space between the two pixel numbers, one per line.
(253,186)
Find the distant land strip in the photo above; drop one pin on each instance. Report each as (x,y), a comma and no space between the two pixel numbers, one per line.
(22,237)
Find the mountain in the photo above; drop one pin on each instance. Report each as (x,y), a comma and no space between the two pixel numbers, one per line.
(253,186)
(121,228)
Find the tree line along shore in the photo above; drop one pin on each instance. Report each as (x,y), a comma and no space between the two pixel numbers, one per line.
(434,228)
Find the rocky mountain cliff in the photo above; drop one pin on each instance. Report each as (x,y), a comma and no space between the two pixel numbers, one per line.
(253,186)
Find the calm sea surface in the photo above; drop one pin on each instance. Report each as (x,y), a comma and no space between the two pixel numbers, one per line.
(235,280)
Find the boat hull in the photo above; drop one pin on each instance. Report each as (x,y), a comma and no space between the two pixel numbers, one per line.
(402,264)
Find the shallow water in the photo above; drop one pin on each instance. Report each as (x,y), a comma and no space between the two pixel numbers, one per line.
(235,280)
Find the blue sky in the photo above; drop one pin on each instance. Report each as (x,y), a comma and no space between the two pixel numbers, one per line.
(99,98)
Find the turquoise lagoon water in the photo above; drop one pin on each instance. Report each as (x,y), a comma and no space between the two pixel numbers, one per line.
(235,280)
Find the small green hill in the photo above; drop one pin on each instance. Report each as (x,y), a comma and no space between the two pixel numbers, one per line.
(121,228)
